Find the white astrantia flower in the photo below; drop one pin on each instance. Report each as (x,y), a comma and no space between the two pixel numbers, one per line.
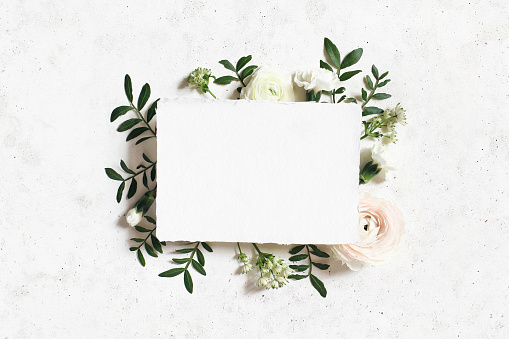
(274,284)
(246,268)
(269,84)
(381,155)
(399,113)
(282,281)
(392,137)
(199,77)
(262,282)
(317,79)
(134,217)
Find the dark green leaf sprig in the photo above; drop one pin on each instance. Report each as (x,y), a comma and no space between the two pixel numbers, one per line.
(130,123)
(334,57)
(133,187)
(197,264)
(150,249)
(372,87)
(315,251)
(241,74)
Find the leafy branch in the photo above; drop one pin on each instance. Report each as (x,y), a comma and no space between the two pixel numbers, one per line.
(372,88)
(240,76)
(334,57)
(156,244)
(315,282)
(133,187)
(197,264)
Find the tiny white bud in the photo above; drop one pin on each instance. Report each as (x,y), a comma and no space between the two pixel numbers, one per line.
(133,217)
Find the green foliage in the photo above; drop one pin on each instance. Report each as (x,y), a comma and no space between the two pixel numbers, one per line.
(368,172)
(372,87)
(143,242)
(310,251)
(198,265)
(240,76)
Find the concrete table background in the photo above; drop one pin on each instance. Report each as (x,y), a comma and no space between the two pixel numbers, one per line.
(65,267)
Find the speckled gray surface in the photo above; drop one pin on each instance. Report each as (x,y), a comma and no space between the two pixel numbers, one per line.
(66,270)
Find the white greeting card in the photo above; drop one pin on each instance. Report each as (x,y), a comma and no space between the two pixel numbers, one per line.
(263,172)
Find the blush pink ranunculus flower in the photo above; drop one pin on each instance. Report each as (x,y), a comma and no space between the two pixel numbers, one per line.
(381,229)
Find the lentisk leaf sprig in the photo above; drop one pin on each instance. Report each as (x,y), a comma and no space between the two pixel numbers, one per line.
(372,87)
(156,244)
(315,282)
(130,123)
(334,57)
(197,264)
(240,75)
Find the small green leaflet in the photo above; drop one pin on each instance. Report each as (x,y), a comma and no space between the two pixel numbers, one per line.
(247,71)
(206,247)
(144,95)
(112,174)
(318,285)
(152,110)
(297,249)
(227,65)
(150,250)
(125,168)
(141,259)
(141,229)
(242,62)
(128,124)
(172,273)
(128,87)
(198,267)
(120,191)
(136,133)
(332,52)
(181,260)
(369,82)
(347,75)
(298,257)
(371,110)
(119,111)
(132,189)
(188,282)
(201,258)
(374,71)
(325,65)
(381,96)
(352,58)
(227,79)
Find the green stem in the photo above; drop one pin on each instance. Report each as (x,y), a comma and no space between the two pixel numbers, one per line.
(143,119)
(208,90)
(257,249)
(144,170)
(192,255)
(144,241)
(371,94)
(241,81)
(240,250)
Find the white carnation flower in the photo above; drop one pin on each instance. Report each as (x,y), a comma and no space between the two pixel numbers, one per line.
(382,156)
(133,217)
(317,79)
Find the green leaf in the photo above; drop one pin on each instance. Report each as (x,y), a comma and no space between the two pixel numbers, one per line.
(150,219)
(371,110)
(181,261)
(347,75)
(112,174)
(369,82)
(243,62)
(381,96)
(139,141)
(342,98)
(206,246)
(188,282)
(318,96)
(325,65)
(141,259)
(383,83)
(352,58)
(339,90)
(128,124)
(153,173)
(150,250)
(125,168)
(351,100)
(141,166)
(247,71)
(120,191)
(297,276)
(321,266)
(137,240)
(318,285)
(374,71)
(384,75)
(156,243)
(128,87)
(145,180)
(299,268)
(144,95)
(132,249)
(227,79)
(197,266)
(146,158)
(152,110)
(141,229)
(201,258)
(119,111)
(319,253)
(227,65)
(172,273)
(296,249)
(310,96)
(298,257)
(132,188)
(364,94)
(332,53)
(239,89)
(185,250)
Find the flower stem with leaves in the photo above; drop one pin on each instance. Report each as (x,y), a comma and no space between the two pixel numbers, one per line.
(317,283)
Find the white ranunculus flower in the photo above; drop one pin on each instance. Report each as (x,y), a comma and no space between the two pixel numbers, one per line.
(268,84)
(382,156)
(317,79)
(133,217)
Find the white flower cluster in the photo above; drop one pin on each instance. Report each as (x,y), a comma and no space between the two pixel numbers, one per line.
(199,77)
(246,266)
(273,272)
